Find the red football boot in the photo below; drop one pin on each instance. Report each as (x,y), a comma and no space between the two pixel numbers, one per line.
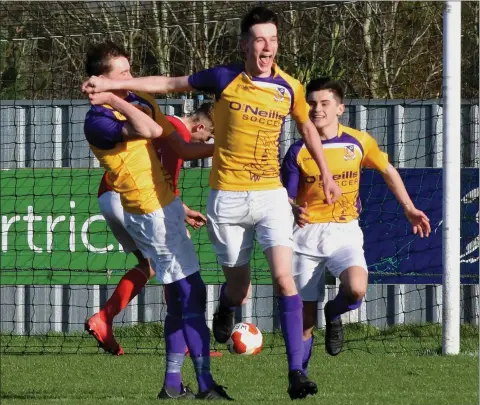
(103,333)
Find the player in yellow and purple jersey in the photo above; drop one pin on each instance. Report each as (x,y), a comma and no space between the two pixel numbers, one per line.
(329,237)
(247,198)
(120,128)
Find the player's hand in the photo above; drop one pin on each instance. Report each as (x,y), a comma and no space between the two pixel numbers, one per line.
(96,84)
(100,98)
(419,221)
(300,214)
(331,189)
(195,219)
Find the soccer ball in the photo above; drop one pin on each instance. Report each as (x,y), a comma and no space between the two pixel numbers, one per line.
(246,339)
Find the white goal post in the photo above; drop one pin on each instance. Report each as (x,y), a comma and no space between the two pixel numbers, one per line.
(451,176)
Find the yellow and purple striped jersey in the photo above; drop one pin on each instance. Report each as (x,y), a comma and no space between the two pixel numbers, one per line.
(249,114)
(345,154)
(133,167)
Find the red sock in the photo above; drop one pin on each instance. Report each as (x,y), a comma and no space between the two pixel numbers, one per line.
(128,287)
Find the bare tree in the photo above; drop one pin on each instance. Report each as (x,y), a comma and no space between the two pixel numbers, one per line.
(398,39)
(379,49)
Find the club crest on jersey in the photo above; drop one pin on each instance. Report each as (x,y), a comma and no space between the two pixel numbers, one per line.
(280,94)
(349,152)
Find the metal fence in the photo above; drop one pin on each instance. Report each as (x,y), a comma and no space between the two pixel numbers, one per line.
(47,134)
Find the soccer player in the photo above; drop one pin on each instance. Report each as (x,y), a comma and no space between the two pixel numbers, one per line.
(120,127)
(195,128)
(247,198)
(330,238)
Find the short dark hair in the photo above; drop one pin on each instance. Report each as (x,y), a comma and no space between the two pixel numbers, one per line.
(205,111)
(326,83)
(258,15)
(98,57)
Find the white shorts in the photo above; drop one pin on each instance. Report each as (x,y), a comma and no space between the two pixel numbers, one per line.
(112,210)
(327,246)
(235,217)
(162,237)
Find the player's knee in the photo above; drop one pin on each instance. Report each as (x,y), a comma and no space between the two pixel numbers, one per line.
(285,286)
(355,282)
(356,293)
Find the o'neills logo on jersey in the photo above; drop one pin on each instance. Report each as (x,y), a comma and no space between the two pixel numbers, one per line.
(346,178)
(346,175)
(255,114)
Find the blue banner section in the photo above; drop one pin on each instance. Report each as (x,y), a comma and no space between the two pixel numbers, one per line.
(394,255)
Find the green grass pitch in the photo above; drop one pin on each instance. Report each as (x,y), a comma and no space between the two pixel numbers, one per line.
(398,366)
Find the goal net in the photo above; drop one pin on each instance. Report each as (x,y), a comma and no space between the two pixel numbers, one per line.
(59,261)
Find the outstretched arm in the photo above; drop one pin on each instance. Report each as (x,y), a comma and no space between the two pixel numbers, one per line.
(149,84)
(418,219)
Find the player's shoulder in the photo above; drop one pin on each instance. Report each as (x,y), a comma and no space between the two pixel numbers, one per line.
(294,83)
(104,111)
(229,68)
(216,79)
(140,95)
(173,119)
(361,136)
(220,72)
(177,122)
(144,101)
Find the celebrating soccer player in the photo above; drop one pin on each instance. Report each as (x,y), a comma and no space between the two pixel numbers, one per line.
(247,197)
(330,238)
(120,127)
(194,128)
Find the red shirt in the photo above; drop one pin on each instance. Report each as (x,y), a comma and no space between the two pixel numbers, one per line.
(170,160)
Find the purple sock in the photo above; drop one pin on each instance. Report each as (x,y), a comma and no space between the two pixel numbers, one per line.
(195,330)
(292,328)
(174,343)
(173,380)
(342,304)
(175,347)
(224,303)
(307,353)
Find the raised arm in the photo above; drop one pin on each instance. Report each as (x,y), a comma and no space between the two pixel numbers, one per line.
(418,219)
(138,123)
(149,84)
(314,146)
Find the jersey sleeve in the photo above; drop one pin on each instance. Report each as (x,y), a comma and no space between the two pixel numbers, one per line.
(290,172)
(373,157)
(300,106)
(103,129)
(215,79)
